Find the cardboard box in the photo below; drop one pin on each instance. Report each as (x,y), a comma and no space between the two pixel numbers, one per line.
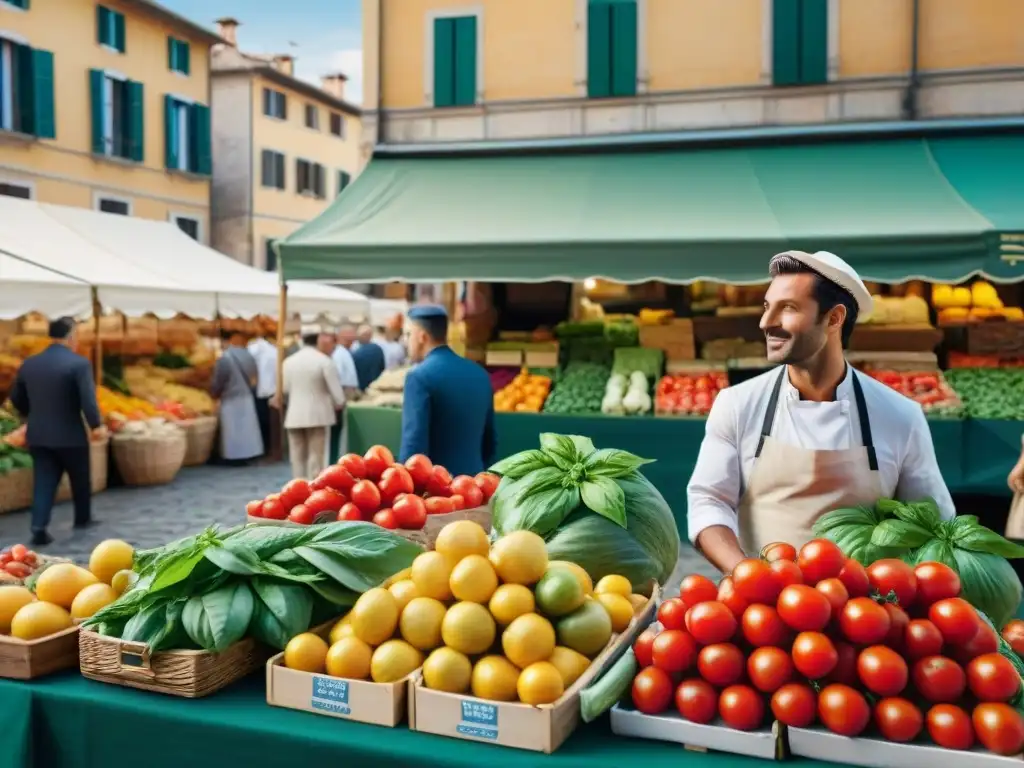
(877,753)
(541,729)
(763,743)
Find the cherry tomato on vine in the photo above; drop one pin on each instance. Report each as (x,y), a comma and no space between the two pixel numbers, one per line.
(999,728)
(642,648)
(1013,633)
(845,671)
(898,719)
(935,581)
(769,669)
(795,704)
(882,670)
(956,619)
(711,623)
(814,655)
(697,701)
(855,578)
(893,576)
(697,589)
(652,691)
(754,581)
(778,550)
(939,679)
(804,608)
(741,707)
(950,727)
(720,664)
(843,710)
(921,639)
(761,625)
(820,559)
(673,651)
(786,572)
(672,613)
(865,622)
(992,677)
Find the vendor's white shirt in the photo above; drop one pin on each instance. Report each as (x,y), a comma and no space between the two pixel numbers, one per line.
(907,466)
(265,355)
(346,367)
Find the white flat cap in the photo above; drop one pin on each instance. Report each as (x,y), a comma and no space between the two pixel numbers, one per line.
(839,272)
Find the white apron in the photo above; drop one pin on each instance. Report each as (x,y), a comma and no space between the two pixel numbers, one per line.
(791,487)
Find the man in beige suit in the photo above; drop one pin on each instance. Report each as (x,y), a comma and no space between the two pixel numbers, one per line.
(312,389)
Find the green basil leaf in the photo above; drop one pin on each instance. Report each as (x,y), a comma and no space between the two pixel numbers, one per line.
(560,449)
(934,551)
(886,508)
(522,463)
(176,570)
(840,518)
(924,514)
(147,624)
(899,534)
(605,497)
(280,611)
(981,539)
(172,635)
(220,618)
(961,524)
(613,463)
(584,446)
(241,561)
(538,511)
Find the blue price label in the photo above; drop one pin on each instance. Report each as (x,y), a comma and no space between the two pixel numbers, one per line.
(330,695)
(479,720)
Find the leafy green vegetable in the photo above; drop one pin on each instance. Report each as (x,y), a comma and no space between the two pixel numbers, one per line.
(219,618)
(852,528)
(280,611)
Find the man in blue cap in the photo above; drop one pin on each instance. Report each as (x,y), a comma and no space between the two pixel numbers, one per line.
(448,412)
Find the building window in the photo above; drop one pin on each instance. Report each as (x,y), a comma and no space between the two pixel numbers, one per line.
(275,104)
(117,116)
(178,56)
(188,225)
(455,61)
(344,179)
(309,178)
(114,205)
(337,125)
(187,136)
(312,117)
(799,42)
(611,48)
(26,90)
(23,4)
(110,28)
(272,169)
(22,191)
(269,256)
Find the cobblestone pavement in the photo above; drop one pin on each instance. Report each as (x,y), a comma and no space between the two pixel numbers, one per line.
(198,497)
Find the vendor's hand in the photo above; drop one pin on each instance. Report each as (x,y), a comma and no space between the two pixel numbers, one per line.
(1016,478)
(99,434)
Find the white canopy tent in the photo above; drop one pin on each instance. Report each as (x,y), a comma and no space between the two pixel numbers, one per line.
(25,288)
(382,310)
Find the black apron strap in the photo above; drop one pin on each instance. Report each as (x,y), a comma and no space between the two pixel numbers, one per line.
(865,422)
(769,414)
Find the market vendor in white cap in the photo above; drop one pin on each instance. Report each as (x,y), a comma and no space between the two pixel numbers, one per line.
(811,436)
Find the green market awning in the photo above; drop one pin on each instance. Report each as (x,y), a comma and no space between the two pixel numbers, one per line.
(675,215)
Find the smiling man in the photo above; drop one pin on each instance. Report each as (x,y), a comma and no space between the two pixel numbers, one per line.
(810,436)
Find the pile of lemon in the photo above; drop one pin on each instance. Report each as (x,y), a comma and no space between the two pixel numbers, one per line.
(500,622)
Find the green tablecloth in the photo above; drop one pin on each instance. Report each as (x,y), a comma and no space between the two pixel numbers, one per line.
(77,723)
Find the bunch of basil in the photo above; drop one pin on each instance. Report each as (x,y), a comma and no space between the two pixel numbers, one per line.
(916,533)
(593,507)
(210,590)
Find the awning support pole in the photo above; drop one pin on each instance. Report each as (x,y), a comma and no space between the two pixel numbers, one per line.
(277,452)
(97,347)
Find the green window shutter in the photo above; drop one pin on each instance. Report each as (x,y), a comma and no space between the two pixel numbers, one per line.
(96,112)
(102,25)
(136,121)
(199,144)
(184,57)
(599,50)
(24,91)
(170,133)
(624,52)
(813,42)
(118,31)
(444,62)
(42,91)
(343,181)
(786,42)
(465,61)
(172,54)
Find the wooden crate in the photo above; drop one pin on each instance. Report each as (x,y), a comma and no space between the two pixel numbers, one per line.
(895,338)
(994,337)
(675,338)
(29,659)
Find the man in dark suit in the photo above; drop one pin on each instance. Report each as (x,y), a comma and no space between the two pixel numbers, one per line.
(448,410)
(55,393)
(368,358)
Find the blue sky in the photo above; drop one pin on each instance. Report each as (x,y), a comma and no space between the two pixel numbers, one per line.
(322,35)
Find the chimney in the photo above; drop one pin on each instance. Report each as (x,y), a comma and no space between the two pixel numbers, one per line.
(227,28)
(334,85)
(285,64)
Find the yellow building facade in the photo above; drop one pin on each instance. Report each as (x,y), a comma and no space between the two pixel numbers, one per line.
(444,70)
(285,149)
(106,106)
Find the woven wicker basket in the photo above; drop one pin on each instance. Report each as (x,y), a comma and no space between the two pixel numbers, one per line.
(192,674)
(199,434)
(16,490)
(99,469)
(149,460)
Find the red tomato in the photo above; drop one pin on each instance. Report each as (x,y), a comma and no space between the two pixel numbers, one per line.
(865,622)
(377,459)
(355,465)
(730,598)
(440,482)
(420,468)
(457,500)
(938,679)
(769,669)
(697,589)
(325,500)
(778,550)
(882,670)
(835,592)
(999,728)
(349,511)
(672,613)
(642,648)
(855,578)
(18,570)
(820,559)
(720,664)
(845,671)
(921,638)
(794,704)
(786,572)
(19,552)
(898,719)
(439,505)
(31,559)
(252,509)
(935,581)
(1013,633)
(366,496)
(302,515)
(992,677)
(462,483)
(673,650)
(473,498)
(385,518)
(950,727)
(410,511)
(804,608)
(652,691)
(754,581)
(814,655)
(985,641)
(5,557)
(394,481)
(956,619)
(711,622)
(898,621)
(741,707)
(273,509)
(295,492)
(843,710)
(697,701)
(893,576)
(762,626)
(487,482)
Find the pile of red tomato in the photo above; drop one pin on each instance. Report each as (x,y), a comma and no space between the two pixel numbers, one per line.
(815,637)
(375,488)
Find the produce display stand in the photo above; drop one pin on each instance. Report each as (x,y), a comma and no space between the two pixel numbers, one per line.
(764,743)
(28,659)
(200,434)
(149,460)
(879,753)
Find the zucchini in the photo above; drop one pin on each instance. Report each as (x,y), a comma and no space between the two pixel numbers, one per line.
(602,694)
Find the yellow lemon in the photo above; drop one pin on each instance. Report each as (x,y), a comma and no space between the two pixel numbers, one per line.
(403,591)
(420,623)
(109,557)
(616,585)
(620,610)
(540,683)
(12,599)
(520,557)
(393,661)
(510,601)
(578,571)
(349,658)
(60,583)
(461,539)
(402,575)
(38,619)
(123,580)
(639,602)
(306,652)
(342,628)
(374,616)
(473,579)
(91,599)
(430,573)
(569,663)
(494,678)
(447,670)
(468,628)
(528,639)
